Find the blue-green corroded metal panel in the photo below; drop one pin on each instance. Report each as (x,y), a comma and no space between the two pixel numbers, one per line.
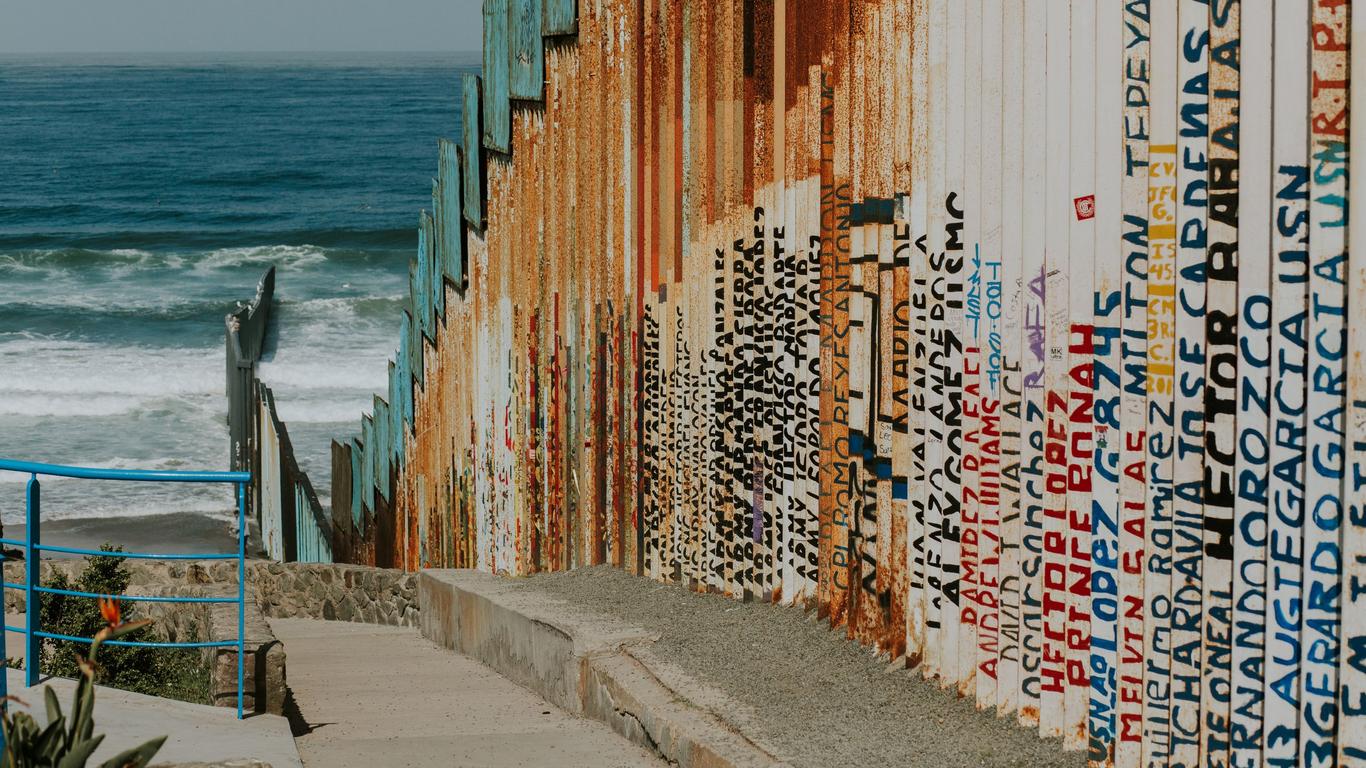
(357,459)
(559,17)
(405,367)
(526,51)
(367,436)
(472,151)
(414,352)
(438,250)
(382,443)
(450,221)
(497,108)
(396,412)
(435,287)
(420,285)
(376,449)
(311,544)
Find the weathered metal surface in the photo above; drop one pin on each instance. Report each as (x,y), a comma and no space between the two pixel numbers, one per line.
(245,335)
(923,315)
(426,279)
(497,109)
(559,17)
(1106,511)
(1180,119)
(449,216)
(526,53)
(472,151)
(1352,667)
(268,487)
(1289,367)
(294,526)
(292,523)
(1255,433)
(1329,270)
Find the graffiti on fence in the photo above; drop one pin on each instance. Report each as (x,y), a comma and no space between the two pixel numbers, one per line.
(1017,339)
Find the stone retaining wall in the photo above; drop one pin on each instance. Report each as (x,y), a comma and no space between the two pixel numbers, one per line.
(284,590)
(337,593)
(287,590)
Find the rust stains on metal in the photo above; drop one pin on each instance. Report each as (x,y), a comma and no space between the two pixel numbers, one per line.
(727,321)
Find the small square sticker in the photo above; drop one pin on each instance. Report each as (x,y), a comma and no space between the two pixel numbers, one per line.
(1086,207)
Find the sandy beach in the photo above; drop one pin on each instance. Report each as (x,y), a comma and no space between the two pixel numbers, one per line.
(177,533)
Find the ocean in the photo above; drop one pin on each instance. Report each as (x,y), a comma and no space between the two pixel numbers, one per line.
(141,197)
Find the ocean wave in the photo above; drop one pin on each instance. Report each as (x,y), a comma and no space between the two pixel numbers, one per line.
(92,508)
(15,313)
(286,258)
(361,373)
(118,462)
(298,411)
(38,367)
(84,406)
(53,378)
(235,235)
(178,256)
(341,308)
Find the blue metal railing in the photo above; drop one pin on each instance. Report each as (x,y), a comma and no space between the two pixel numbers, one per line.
(33,549)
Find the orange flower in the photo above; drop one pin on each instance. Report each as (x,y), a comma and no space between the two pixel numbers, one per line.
(110,611)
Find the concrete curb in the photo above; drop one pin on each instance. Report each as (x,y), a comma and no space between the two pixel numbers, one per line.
(582,663)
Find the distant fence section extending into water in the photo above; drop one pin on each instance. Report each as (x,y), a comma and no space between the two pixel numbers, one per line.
(1019,339)
(293,525)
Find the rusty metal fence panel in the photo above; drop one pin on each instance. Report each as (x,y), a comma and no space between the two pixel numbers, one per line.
(983,330)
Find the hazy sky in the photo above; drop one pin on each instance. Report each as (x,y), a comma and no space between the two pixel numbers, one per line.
(59,26)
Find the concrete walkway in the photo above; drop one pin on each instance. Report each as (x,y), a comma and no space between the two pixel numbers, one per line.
(370,695)
(195,733)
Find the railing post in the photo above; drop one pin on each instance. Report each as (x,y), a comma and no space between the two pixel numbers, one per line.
(241,590)
(32,572)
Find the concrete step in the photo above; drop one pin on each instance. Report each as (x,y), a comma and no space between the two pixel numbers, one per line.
(369,695)
(586,663)
(196,733)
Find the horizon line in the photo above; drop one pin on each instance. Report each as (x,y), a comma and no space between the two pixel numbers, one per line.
(235,51)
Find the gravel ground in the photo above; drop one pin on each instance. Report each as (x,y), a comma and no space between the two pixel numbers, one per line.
(820,699)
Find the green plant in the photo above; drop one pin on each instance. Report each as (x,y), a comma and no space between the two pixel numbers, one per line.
(179,673)
(64,743)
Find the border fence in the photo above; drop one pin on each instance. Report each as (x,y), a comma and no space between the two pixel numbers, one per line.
(1019,339)
(293,525)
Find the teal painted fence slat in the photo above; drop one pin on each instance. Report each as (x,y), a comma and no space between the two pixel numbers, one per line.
(497,108)
(433,286)
(450,219)
(367,436)
(415,327)
(405,366)
(526,52)
(420,282)
(357,458)
(439,247)
(376,451)
(559,17)
(382,443)
(395,415)
(472,151)
(311,542)
(415,355)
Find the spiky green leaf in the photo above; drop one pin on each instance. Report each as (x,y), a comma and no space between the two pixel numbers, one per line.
(137,757)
